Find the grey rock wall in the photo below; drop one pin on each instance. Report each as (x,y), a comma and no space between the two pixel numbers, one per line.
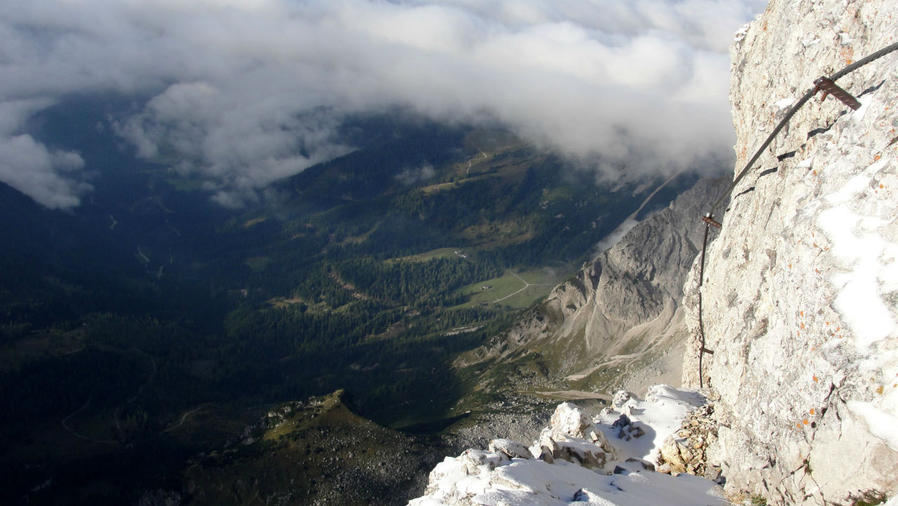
(801,287)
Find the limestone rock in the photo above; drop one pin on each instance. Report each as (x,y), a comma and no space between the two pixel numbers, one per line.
(799,290)
(472,460)
(573,437)
(587,496)
(512,449)
(648,466)
(580,452)
(576,450)
(672,460)
(620,398)
(686,450)
(569,420)
(546,454)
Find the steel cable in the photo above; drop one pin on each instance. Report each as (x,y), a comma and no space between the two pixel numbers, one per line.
(798,105)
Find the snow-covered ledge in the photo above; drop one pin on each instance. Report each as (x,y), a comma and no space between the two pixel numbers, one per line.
(606,460)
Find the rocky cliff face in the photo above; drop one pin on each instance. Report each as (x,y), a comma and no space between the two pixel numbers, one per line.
(801,288)
(618,322)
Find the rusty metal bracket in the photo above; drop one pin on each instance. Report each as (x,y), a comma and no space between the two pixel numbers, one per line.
(706,350)
(829,87)
(709,219)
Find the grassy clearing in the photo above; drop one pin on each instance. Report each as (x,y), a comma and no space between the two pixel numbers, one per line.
(359,239)
(495,161)
(513,289)
(431,255)
(316,307)
(498,233)
(257,264)
(526,298)
(555,194)
(451,185)
(255,221)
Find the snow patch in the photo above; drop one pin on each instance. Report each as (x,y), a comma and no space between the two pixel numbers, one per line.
(881,424)
(868,260)
(663,409)
(859,114)
(784,103)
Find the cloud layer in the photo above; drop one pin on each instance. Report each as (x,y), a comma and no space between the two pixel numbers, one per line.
(244,92)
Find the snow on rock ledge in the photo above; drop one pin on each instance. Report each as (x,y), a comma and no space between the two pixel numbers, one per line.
(800,292)
(628,436)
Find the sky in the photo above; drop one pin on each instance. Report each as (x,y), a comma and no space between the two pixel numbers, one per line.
(240,93)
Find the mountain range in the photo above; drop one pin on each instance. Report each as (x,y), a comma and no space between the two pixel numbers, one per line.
(151,324)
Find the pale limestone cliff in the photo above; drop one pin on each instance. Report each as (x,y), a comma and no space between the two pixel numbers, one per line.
(801,288)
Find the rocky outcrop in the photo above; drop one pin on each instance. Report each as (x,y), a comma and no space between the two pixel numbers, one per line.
(686,450)
(572,436)
(315,451)
(580,459)
(800,292)
(617,323)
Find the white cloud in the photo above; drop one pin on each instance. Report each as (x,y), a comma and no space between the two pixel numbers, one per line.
(410,176)
(48,176)
(245,92)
